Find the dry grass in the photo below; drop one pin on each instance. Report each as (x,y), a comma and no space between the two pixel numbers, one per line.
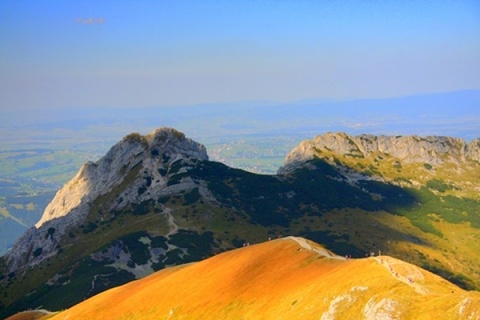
(282,279)
(31,315)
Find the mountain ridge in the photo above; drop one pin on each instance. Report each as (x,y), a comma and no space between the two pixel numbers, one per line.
(155,207)
(124,155)
(431,149)
(290,278)
(72,202)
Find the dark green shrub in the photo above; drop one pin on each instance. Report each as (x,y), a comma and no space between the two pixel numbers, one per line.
(428,166)
(191,197)
(159,242)
(90,227)
(138,250)
(143,208)
(136,137)
(37,252)
(439,185)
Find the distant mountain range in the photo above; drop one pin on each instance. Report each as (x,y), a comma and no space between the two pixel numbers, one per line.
(155,201)
(451,114)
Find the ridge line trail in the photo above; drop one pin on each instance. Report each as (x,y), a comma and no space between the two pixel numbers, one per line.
(403,272)
(398,269)
(319,250)
(171,222)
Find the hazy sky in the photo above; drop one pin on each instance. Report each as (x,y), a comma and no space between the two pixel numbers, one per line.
(147,53)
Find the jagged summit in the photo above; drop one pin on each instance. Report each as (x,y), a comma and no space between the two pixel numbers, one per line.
(408,149)
(99,177)
(141,163)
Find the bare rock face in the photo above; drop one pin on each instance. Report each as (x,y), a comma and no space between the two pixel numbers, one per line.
(408,149)
(137,168)
(472,150)
(94,179)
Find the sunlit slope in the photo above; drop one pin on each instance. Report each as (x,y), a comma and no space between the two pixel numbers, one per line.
(31,315)
(290,278)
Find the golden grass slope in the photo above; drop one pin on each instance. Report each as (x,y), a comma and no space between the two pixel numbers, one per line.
(289,278)
(32,315)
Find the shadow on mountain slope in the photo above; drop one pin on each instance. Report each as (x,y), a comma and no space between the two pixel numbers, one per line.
(316,189)
(317,201)
(372,213)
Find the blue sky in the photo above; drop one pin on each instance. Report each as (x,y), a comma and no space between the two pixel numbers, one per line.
(165,53)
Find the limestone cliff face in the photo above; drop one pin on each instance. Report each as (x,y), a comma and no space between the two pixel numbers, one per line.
(145,161)
(473,150)
(98,178)
(407,149)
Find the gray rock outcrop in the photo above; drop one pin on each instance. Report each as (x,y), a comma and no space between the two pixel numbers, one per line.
(408,149)
(146,161)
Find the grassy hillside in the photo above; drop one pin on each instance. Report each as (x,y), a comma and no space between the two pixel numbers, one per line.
(403,215)
(289,278)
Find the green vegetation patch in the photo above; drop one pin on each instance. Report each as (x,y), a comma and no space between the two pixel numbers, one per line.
(428,166)
(439,185)
(191,197)
(136,137)
(138,250)
(199,245)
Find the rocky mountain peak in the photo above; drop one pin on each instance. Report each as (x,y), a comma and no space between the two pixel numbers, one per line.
(408,149)
(98,177)
(137,168)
